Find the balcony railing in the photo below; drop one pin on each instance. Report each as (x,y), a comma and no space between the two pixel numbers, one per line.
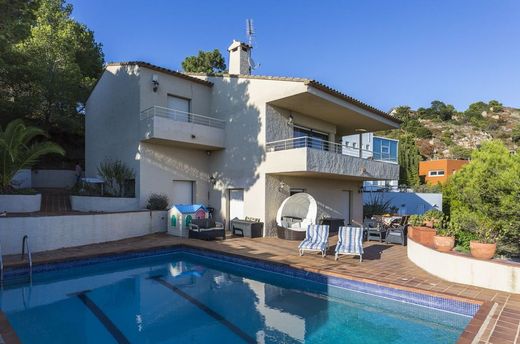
(181,116)
(315,143)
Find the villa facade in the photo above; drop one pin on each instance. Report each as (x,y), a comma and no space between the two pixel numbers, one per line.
(239,143)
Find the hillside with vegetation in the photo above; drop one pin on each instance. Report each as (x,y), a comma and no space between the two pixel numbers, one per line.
(442,132)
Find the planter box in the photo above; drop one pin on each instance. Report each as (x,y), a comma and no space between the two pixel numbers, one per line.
(422,235)
(20,203)
(103,204)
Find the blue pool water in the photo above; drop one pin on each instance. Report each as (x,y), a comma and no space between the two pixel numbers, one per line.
(185,297)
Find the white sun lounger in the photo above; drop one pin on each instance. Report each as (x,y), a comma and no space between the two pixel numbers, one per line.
(350,242)
(316,239)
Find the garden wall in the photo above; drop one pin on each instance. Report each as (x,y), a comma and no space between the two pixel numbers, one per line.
(103,204)
(20,203)
(54,232)
(53,178)
(408,203)
(459,268)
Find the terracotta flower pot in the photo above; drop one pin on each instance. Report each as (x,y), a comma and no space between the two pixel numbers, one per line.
(422,235)
(444,243)
(481,250)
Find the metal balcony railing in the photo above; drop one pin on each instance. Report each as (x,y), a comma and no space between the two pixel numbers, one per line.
(181,116)
(315,143)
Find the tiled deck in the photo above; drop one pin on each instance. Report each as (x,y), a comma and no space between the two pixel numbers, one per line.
(382,263)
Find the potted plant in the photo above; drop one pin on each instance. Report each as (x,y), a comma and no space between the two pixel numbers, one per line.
(433,218)
(485,246)
(444,240)
(420,233)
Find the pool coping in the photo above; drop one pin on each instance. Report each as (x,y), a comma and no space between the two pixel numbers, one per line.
(471,334)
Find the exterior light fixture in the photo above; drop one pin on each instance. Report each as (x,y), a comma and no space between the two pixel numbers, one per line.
(290,121)
(155,82)
(361,189)
(281,187)
(213,180)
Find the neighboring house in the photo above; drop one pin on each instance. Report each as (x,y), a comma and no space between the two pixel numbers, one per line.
(438,171)
(374,147)
(239,143)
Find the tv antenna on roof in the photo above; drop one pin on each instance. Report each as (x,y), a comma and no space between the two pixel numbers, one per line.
(250,31)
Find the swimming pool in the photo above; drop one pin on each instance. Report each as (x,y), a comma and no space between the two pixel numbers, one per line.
(190,296)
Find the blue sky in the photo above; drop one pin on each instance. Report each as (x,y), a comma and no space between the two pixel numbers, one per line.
(386,53)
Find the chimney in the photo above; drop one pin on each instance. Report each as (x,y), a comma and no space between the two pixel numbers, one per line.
(239,58)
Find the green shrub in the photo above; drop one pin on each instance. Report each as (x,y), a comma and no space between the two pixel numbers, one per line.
(157,202)
(377,206)
(416,220)
(484,198)
(436,217)
(116,175)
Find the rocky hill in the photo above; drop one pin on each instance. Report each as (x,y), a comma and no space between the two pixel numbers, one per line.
(442,132)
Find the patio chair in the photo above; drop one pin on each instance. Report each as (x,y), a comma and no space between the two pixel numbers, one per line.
(350,242)
(316,240)
(206,229)
(397,234)
(375,230)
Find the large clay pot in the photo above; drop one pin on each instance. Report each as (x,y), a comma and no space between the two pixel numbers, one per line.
(422,235)
(444,243)
(481,250)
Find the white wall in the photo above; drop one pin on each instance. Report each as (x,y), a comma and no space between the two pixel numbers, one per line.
(20,203)
(54,232)
(408,203)
(112,120)
(330,194)
(160,165)
(53,178)
(103,204)
(466,270)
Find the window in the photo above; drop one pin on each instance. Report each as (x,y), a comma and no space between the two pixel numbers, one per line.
(294,191)
(179,107)
(436,173)
(385,149)
(317,139)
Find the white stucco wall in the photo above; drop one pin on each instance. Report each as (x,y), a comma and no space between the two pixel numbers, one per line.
(53,178)
(332,195)
(160,165)
(466,270)
(54,232)
(20,203)
(112,120)
(103,204)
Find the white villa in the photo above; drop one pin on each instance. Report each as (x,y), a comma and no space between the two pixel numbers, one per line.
(237,142)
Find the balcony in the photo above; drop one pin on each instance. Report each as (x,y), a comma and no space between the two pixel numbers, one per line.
(311,156)
(172,127)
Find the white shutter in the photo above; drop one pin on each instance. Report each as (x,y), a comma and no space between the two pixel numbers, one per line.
(236,204)
(182,192)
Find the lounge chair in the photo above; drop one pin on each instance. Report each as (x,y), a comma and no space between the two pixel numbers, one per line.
(206,229)
(350,242)
(316,240)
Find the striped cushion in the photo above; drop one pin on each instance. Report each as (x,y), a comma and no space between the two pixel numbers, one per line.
(350,240)
(316,238)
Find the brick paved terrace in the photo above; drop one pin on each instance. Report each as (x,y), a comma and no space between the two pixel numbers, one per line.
(387,264)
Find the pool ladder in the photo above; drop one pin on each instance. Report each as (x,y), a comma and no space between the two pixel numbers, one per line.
(1,265)
(25,245)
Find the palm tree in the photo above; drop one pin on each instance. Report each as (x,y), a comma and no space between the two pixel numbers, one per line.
(18,150)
